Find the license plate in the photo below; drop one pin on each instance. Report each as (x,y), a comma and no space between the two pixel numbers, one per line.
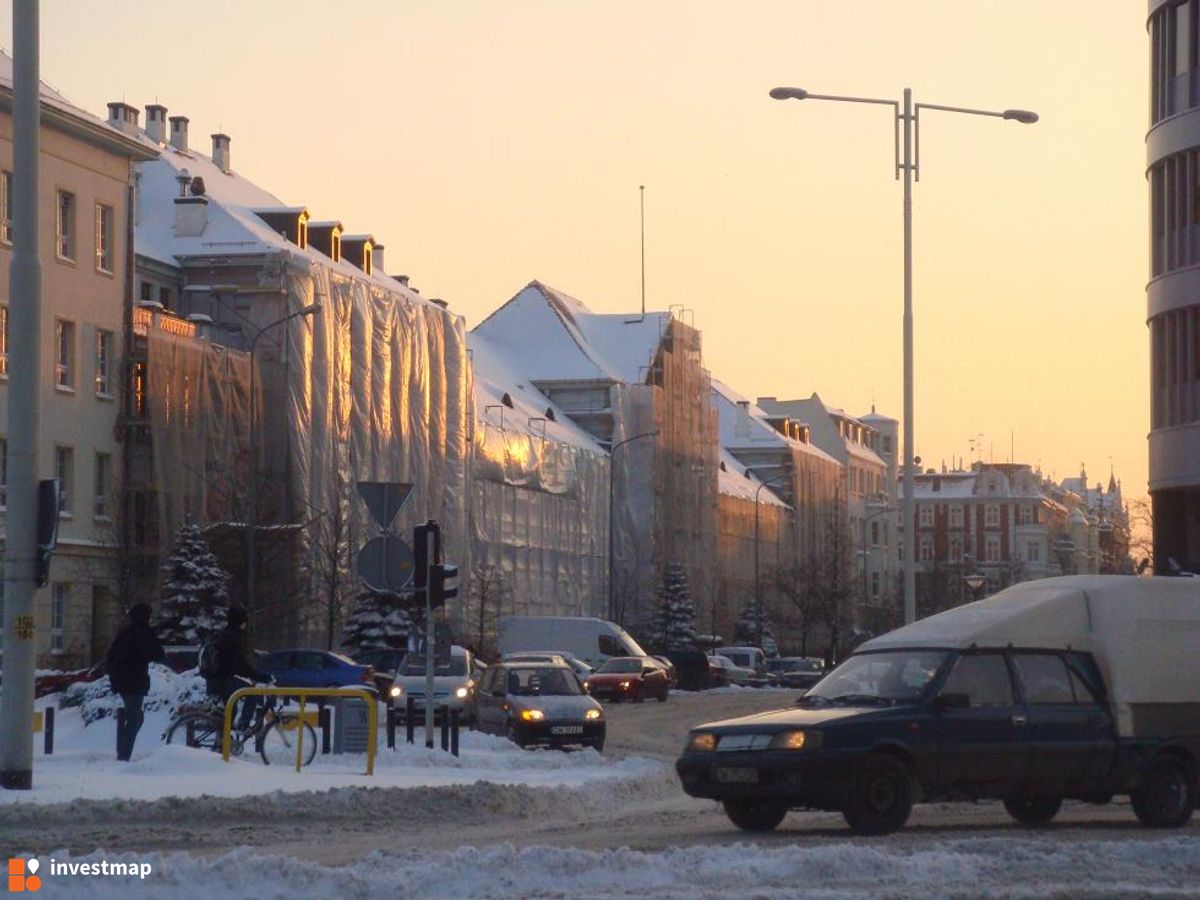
(735,775)
(567,729)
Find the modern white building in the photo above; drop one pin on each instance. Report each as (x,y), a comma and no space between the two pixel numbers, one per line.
(1173,293)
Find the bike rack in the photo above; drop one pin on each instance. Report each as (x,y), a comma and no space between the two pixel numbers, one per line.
(303,693)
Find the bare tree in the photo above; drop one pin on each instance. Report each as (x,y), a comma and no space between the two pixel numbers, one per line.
(797,584)
(1140,513)
(831,568)
(329,538)
(490,593)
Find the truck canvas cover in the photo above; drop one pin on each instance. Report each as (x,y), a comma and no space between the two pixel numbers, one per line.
(1144,634)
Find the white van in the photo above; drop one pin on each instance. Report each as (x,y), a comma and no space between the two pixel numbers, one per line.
(591,640)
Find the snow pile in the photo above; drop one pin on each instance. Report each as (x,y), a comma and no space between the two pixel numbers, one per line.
(986,867)
(168,690)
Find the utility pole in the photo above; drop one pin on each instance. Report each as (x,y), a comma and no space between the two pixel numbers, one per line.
(25,311)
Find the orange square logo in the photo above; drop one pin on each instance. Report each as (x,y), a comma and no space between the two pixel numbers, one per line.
(18,880)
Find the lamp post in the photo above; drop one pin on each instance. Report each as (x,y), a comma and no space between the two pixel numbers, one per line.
(252,525)
(908,115)
(758,599)
(886,509)
(974,582)
(612,458)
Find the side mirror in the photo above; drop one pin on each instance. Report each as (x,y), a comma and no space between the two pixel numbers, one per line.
(951,701)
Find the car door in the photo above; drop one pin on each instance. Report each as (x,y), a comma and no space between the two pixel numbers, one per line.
(487,707)
(1063,733)
(982,746)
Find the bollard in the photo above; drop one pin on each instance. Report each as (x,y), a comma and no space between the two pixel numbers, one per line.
(408,719)
(391,727)
(445,724)
(120,726)
(48,732)
(454,732)
(323,719)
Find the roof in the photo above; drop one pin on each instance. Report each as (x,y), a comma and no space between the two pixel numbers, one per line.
(557,338)
(735,480)
(761,435)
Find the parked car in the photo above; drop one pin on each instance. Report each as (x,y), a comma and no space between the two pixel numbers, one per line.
(797,671)
(591,640)
(669,667)
(1063,688)
(734,674)
(538,703)
(629,678)
(315,668)
(454,684)
(385,661)
(696,672)
(581,669)
(51,682)
(751,658)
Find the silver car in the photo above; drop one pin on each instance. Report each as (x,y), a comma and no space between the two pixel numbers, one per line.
(453,685)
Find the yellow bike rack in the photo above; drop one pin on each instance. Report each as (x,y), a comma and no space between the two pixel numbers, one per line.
(304,693)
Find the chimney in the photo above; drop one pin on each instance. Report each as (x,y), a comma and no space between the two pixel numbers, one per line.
(179,140)
(742,428)
(220,154)
(377,260)
(191,210)
(156,123)
(123,117)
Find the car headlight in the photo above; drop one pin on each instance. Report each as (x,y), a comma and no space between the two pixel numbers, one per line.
(532,715)
(702,742)
(795,740)
(462,692)
(593,714)
(624,685)
(396,691)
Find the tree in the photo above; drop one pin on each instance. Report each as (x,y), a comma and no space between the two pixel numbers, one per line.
(490,591)
(195,591)
(330,561)
(674,627)
(797,585)
(746,629)
(833,578)
(380,622)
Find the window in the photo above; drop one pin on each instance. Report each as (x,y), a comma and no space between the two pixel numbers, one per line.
(103,485)
(992,548)
(983,677)
(609,646)
(875,585)
(3,473)
(887,444)
(64,354)
(991,515)
(58,617)
(874,534)
(64,471)
(104,237)
(65,244)
(1045,678)
(926,516)
(1033,552)
(3,341)
(104,345)
(926,548)
(6,207)
(956,549)
(1025,514)
(956,515)
(146,292)
(164,297)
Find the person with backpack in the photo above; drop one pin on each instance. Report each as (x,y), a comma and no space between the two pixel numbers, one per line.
(128,661)
(225,666)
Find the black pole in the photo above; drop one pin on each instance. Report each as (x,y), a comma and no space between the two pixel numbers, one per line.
(120,727)
(454,732)
(48,732)
(391,727)
(323,717)
(408,719)
(445,723)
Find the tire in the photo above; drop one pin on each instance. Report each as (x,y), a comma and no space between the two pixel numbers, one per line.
(278,746)
(755,815)
(1166,796)
(206,731)
(662,698)
(1030,809)
(881,798)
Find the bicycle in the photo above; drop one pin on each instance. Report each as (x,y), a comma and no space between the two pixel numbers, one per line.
(273,731)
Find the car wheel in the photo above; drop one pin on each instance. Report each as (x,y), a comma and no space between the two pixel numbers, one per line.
(755,815)
(881,798)
(662,698)
(1166,796)
(1030,809)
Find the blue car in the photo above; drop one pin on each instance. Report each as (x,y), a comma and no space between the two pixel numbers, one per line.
(315,668)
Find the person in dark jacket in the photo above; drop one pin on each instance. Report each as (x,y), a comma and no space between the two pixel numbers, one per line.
(133,649)
(234,666)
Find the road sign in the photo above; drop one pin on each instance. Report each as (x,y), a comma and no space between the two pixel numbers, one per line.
(386,564)
(384,499)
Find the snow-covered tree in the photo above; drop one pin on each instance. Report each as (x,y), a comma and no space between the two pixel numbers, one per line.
(675,620)
(379,621)
(195,594)
(745,632)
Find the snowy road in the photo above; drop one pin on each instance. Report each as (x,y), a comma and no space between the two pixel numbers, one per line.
(634,832)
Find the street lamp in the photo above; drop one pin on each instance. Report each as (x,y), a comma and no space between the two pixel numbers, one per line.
(252,525)
(612,458)
(758,599)
(909,115)
(886,509)
(974,582)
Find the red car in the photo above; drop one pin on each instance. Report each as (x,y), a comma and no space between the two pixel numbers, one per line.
(629,678)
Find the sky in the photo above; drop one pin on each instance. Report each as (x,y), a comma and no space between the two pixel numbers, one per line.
(490,143)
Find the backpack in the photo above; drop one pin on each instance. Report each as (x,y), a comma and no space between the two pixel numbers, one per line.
(210,659)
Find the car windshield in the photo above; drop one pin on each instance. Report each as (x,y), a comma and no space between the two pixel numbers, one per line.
(622,666)
(876,678)
(541,682)
(808,665)
(414,664)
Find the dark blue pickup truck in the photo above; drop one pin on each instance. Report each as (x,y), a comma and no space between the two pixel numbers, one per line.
(1076,688)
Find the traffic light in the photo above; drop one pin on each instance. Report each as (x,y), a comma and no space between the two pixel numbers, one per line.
(420,562)
(441,584)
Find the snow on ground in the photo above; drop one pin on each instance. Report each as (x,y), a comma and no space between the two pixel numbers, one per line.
(84,765)
(979,867)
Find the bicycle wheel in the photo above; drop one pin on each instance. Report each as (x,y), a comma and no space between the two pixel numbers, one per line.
(279,742)
(196,730)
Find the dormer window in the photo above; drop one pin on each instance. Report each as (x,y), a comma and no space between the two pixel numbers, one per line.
(302,231)
(289,221)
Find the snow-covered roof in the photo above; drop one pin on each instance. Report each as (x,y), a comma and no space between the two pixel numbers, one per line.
(951,485)
(557,338)
(735,480)
(761,434)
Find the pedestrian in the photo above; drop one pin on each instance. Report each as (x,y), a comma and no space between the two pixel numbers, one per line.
(231,669)
(133,649)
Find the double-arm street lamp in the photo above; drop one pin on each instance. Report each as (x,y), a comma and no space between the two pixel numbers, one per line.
(612,460)
(252,526)
(907,118)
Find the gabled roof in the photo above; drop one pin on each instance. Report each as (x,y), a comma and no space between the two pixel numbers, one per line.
(557,338)
(762,435)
